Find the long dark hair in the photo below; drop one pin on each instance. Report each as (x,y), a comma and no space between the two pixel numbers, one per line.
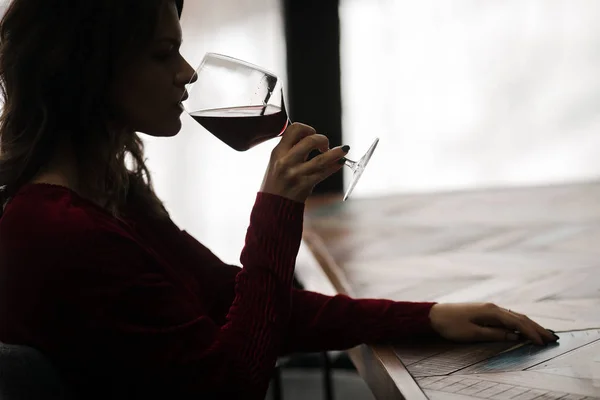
(57,58)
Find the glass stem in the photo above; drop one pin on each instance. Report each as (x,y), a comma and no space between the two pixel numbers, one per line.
(353,165)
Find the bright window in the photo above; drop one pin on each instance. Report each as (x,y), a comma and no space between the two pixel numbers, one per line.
(467,93)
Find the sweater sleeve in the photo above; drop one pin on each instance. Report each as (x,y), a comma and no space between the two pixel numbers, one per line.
(319,322)
(322,322)
(189,350)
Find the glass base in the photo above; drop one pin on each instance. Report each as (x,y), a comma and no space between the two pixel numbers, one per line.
(359,168)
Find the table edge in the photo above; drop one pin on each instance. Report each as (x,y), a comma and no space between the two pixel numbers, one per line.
(400,383)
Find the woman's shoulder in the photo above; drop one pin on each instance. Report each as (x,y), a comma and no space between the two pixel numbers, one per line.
(48,212)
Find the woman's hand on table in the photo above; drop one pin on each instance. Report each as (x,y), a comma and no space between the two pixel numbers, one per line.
(468,322)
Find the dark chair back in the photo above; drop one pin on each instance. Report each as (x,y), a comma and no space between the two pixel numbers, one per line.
(25,374)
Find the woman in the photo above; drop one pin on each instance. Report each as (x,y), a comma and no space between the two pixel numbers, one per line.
(94,273)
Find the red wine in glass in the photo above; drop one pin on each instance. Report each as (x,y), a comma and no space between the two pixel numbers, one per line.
(242,128)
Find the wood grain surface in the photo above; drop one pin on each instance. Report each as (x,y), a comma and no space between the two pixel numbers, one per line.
(532,249)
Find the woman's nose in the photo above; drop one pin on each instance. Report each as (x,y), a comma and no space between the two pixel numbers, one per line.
(186,75)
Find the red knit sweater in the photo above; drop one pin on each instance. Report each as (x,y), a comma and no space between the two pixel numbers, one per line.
(137,307)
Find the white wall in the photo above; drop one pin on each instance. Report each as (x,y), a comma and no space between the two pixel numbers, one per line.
(469,93)
(208,187)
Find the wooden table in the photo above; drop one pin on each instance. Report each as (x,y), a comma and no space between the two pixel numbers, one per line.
(535,250)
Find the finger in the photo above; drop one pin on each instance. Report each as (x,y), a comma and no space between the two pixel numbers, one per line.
(293,135)
(515,321)
(300,151)
(546,335)
(329,158)
(485,334)
(325,172)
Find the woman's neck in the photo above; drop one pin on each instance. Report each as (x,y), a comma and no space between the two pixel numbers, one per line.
(61,170)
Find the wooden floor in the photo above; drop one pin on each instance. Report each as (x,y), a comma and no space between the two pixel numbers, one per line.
(535,250)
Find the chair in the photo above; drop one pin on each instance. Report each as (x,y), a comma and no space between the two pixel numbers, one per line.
(25,374)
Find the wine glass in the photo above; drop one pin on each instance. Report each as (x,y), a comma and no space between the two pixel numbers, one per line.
(243,105)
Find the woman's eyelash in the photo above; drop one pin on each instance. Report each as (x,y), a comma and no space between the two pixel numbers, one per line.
(165,53)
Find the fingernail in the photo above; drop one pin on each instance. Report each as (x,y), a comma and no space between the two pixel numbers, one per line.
(342,161)
(553,334)
(512,336)
(345,148)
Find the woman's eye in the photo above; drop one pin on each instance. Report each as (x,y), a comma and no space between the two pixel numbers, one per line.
(164,54)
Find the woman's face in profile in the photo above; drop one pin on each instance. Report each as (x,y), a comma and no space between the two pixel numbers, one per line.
(146,93)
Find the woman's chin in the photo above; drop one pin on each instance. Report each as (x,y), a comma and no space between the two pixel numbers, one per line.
(169,130)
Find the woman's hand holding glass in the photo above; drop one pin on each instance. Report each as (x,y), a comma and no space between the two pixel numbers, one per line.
(290,174)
